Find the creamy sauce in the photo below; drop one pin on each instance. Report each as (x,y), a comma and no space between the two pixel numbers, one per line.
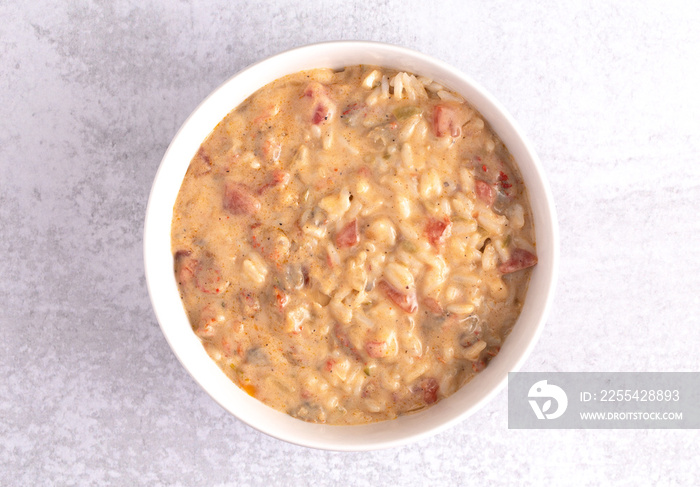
(352,246)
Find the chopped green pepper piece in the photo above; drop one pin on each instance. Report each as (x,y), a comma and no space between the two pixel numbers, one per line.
(409,246)
(402,113)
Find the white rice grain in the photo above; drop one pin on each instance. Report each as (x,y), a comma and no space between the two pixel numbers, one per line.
(448,96)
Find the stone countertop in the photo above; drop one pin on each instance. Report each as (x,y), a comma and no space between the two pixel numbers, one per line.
(93,91)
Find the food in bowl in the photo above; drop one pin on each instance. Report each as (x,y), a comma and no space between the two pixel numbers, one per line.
(352,245)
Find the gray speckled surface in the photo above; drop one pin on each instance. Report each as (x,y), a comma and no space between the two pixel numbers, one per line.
(92,93)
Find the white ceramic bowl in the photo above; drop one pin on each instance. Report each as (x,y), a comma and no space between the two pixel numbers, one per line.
(187,347)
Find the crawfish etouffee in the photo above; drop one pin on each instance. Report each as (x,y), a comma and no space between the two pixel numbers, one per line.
(352,245)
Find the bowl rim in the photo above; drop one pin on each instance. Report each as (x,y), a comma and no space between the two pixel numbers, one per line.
(317,436)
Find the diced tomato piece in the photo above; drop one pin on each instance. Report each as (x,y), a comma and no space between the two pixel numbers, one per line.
(484,192)
(445,121)
(329,261)
(438,230)
(321,114)
(208,277)
(277,178)
(478,366)
(503,181)
(280,177)
(201,163)
(344,341)
(348,235)
(239,200)
(185,266)
(377,349)
(315,89)
(208,323)
(519,259)
(281,297)
(434,306)
(323,107)
(430,388)
(228,347)
(365,172)
(405,301)
(202,274)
